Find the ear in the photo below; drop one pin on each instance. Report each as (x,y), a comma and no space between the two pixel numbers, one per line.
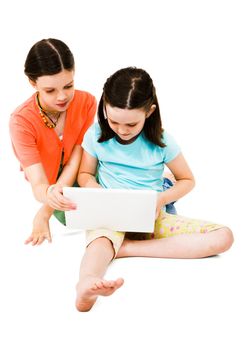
(151,110)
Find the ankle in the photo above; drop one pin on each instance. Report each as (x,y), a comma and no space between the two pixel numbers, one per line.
(87,276)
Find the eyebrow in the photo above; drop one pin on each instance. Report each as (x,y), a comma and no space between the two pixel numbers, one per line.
(48,87)
(113,121)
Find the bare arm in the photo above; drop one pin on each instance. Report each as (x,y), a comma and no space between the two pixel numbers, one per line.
(87,171)
(70,171)
(184,181)
(41,229)
(39,182)
(37,177)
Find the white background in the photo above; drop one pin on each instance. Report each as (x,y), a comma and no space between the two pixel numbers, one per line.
(192,51)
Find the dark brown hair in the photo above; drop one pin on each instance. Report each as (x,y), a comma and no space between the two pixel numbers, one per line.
(131,88)
(48,57)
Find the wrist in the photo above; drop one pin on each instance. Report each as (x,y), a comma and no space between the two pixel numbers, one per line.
(44,213)
(161,199)
(49,189)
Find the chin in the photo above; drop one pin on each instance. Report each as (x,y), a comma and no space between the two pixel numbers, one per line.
(129,137)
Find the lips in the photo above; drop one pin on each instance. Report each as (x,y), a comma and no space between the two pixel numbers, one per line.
(62,105)
(125,135)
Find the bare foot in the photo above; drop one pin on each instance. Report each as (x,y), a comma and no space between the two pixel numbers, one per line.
(91,287)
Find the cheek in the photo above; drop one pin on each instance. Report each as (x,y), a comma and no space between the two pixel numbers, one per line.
(139,128)
(45,98)
(110,125)
(71,93)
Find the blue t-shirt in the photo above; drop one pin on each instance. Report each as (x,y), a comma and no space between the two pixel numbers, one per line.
(138,165)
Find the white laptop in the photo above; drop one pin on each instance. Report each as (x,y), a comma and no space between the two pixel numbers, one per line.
(115,209)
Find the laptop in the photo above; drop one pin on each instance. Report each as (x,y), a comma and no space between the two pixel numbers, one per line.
(115,209)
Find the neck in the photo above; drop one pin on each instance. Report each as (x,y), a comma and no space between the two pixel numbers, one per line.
(46,110)
(126,142)
(52,117)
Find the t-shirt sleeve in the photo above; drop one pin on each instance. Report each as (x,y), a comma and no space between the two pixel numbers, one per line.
(91,111)
(172,149)
(89,142)
(24,142)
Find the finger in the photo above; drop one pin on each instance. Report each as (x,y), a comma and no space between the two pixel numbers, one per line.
(28,240)
(55,196)
(53,203)
(48,237)
(108,284)
(40,240)
(59,205)
(99,284)
(63,200)
(35,240)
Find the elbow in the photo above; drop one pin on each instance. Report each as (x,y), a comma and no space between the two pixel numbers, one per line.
(79,179)
(190,184)
(37,197)
(193,182)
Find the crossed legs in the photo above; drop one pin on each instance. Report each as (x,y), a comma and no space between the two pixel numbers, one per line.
(100,253)
(186,246)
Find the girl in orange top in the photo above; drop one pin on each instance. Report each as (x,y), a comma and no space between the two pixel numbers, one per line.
(47,130)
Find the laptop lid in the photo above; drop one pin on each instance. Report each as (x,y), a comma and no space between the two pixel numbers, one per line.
(115,209)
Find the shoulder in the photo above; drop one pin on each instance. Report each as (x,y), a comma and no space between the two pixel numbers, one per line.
(24,114)
(92,135)
(83,97)
(172,149)
(167,138)
(93,131)
(25,107)
(90,141)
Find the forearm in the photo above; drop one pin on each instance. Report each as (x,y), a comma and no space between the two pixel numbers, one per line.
(87,180)
(44,212)
(177,191)
(67,178)
(40,192)
(68,175)
(70,171)
(39,182)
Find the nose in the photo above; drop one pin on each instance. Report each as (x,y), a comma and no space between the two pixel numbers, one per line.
(123,130)
(61,96)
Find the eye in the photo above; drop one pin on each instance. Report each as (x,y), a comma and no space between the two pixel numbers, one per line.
(68,87)
(114,123)
(49,91)
(131,125)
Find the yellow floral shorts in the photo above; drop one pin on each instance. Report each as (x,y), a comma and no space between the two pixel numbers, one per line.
(166,225)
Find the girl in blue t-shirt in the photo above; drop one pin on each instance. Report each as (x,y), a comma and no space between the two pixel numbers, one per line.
(128,148)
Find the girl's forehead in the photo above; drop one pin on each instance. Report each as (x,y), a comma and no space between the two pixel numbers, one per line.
(55,80)
(122,115)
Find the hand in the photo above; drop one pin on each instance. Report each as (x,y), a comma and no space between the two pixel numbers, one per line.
(56,200)
(160,204)
(40,230)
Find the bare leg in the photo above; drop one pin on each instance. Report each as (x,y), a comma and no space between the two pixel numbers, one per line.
(91,284)
(196,245)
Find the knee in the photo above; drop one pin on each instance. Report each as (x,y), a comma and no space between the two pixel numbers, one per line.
(226,239)
(102,243)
